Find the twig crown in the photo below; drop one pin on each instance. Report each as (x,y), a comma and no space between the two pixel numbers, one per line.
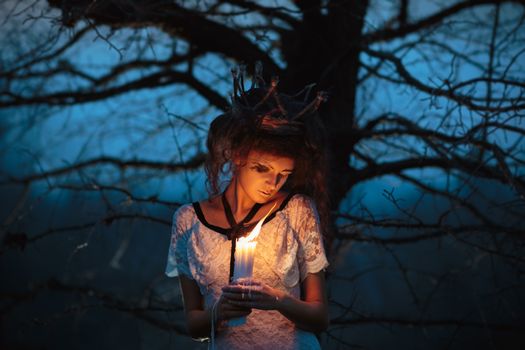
(278,118)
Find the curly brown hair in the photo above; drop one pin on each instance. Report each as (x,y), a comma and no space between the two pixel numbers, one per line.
(272,127)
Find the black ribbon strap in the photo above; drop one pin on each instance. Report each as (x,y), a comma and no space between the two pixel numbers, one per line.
(237,229)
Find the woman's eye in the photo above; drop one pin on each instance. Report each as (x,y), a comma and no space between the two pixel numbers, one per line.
(260,169)
(282,177)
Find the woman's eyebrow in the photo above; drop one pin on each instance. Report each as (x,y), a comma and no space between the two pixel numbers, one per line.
(269,166)
(256,162)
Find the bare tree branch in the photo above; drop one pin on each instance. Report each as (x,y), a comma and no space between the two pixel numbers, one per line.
(428,22)
(195,162)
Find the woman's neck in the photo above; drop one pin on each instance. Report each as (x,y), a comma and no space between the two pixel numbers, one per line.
(239,203)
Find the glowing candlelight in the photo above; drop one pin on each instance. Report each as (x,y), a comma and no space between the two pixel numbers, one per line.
(245,250)
(244,254)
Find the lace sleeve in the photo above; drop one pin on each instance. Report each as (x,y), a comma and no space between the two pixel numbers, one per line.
(311,255)
(178,253)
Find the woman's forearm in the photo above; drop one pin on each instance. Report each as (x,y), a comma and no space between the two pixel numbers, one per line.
(308,315)
(199,323)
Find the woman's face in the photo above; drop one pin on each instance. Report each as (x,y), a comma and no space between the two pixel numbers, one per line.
(261,175)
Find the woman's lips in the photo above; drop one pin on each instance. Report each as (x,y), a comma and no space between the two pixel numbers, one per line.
(267,194)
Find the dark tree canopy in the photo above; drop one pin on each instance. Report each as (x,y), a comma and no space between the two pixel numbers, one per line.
(104,108)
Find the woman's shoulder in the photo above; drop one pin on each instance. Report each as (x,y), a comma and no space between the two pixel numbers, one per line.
(300,206)
(184,212)
(300,201)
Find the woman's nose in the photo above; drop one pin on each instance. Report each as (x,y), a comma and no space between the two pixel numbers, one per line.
(273,180)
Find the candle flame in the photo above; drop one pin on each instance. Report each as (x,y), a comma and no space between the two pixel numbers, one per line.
(257,229)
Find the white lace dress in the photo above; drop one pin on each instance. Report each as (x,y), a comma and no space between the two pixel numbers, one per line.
(288,248)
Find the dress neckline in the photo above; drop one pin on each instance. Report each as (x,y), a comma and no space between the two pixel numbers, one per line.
(238,228)
(226,230)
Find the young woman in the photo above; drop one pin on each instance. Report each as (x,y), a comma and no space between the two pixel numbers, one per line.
(271,146)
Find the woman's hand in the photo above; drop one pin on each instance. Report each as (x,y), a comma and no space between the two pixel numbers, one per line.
(227,310)
(253,294)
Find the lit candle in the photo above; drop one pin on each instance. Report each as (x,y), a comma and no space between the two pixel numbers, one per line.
(244,256)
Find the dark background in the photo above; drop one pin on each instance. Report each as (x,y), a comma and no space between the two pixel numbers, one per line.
(104,108)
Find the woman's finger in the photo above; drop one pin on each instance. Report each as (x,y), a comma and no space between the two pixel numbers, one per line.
(263,302)
(241,290)
(245,295)
(247,282)
(250,304)
(244,284)
(234,288)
